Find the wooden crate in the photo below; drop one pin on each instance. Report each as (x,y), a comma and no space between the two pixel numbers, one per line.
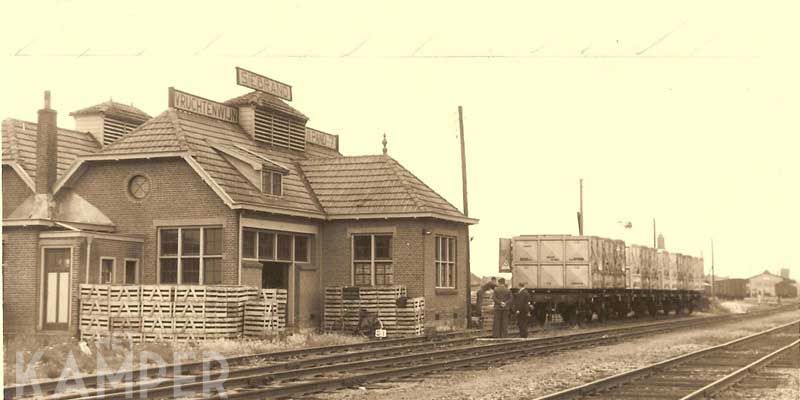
(125,323)
(124,309)
(158,337)
(156,310)
(94,322)
(94,292)
(94,307)
(156,294)
(195,310)
(158,325)
(124,293)
(190,294)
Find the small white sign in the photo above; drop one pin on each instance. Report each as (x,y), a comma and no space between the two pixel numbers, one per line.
(380,333)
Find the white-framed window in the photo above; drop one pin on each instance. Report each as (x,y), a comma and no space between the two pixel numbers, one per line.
(107,270)
(190,255)
(445,255)
(271,182)
(266,245)
(372,260)
(131,271)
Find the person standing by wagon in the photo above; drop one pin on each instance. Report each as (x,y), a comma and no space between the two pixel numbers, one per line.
(522,309)
(502,302)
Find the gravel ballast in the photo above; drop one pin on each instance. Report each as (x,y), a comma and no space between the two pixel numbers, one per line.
(547,374)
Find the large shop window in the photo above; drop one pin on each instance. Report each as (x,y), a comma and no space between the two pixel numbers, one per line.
(445,262)
(372,260)
(183,260)
(273,246)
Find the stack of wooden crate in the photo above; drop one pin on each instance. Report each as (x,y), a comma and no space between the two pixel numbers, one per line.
(157,308)
(265,315)
(208,312)
(411,318)
(94,315)
(343,306)
(487,310)
(124,311)
(333,310)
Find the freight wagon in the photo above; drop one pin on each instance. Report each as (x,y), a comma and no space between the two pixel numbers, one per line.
(580,277)
(731,288)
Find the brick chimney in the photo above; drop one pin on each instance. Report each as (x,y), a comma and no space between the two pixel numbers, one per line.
(46,148)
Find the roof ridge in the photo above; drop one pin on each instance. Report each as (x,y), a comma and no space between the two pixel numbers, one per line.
(179,135)
(307,185)
(428,187)
(395,166)
(87,134)
(8,126)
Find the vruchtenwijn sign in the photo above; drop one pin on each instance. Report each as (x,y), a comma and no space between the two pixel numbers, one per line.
(198,105)
(263,84)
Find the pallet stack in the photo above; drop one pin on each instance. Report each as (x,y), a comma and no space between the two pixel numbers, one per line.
(265,315)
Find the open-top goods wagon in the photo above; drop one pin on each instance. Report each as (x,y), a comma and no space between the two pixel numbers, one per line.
(581,277)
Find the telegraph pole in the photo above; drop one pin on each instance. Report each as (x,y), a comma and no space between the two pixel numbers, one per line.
(655,244)
(712,268)
(580,214)
(468,277)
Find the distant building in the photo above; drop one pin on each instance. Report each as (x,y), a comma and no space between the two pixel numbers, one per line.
(785,273)
(764,284)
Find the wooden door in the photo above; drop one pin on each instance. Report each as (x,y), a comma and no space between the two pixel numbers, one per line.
(56,288)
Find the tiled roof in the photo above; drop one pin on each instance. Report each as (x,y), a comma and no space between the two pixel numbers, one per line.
(114,108)
(175,131)
(19,145)
(372,185)
(257,98)
(337,186)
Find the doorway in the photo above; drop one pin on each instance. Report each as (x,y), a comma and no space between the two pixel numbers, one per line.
(274,275)
(55,284)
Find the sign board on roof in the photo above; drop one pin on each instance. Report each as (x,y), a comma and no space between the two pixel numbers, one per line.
(263,84)
(198,105)
(322,138)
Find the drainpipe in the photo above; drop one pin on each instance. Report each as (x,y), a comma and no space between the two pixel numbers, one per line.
(89,240)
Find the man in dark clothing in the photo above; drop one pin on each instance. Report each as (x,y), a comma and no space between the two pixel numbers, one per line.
(482,291)
(522,308)
(502,302)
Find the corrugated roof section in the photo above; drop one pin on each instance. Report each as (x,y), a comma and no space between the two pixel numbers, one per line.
(19,145)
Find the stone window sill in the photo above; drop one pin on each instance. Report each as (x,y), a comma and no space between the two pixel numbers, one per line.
(446,291)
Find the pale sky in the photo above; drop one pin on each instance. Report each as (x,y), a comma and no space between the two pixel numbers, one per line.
(686,112)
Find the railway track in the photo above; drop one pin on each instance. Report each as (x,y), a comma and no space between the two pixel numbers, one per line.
(324,368)
(320,372)
(697,375)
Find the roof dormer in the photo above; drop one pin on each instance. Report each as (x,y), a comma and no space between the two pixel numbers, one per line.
(260,171)
(270,121)
(109,121)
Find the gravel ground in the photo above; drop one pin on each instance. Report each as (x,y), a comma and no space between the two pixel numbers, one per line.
(547,374)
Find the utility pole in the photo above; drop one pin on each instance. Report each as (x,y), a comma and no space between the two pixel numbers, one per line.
(655,244)
(712,268)
(580,214)
(468,277)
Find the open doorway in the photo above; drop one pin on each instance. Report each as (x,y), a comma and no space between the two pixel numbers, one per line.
(274,275)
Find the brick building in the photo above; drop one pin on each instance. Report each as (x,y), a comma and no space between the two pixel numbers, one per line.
(764,283)
(234,193)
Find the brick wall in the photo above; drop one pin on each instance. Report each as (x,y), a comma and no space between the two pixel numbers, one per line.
(413,256)
(177,194)
(20,279)
(119,251)
(15,191)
